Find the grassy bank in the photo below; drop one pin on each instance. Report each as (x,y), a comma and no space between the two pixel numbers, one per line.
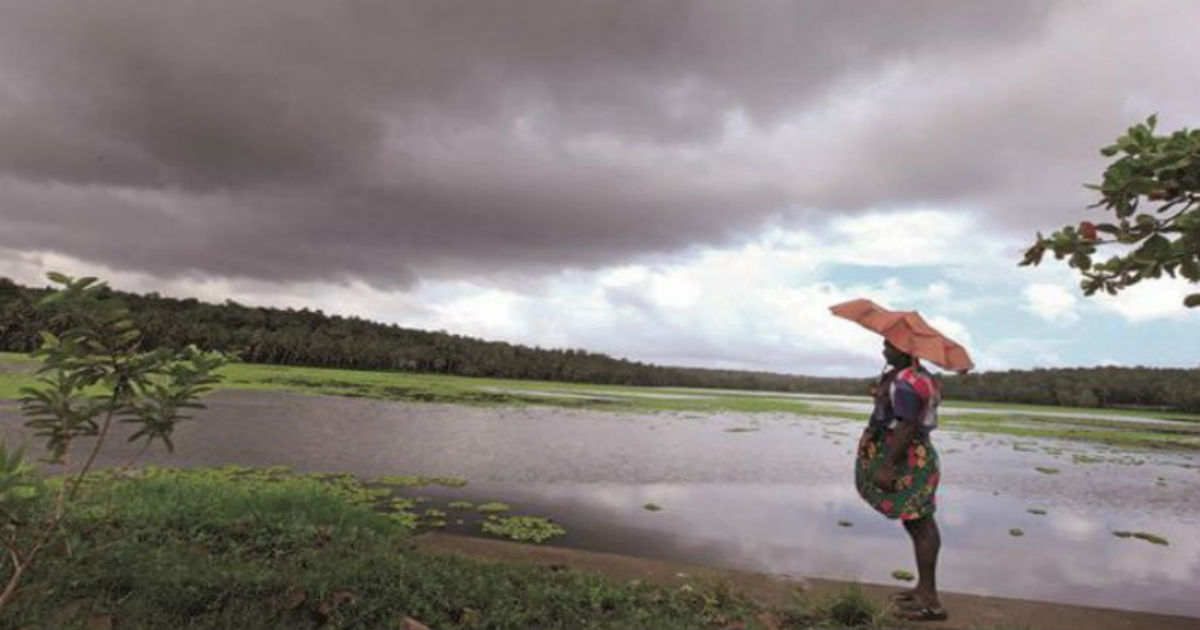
(235,548)
(1013,420)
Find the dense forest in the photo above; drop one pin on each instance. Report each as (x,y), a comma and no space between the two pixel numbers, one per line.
(306,337)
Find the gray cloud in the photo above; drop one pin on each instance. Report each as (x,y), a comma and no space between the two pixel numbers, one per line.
(390,141)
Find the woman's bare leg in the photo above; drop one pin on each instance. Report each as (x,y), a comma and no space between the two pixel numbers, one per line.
(927,542)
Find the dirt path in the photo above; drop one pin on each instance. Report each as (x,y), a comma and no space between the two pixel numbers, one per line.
(966,611)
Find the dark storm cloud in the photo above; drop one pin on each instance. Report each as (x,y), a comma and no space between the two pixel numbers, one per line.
(392,140)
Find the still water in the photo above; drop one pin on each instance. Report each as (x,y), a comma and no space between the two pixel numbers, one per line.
(755,491)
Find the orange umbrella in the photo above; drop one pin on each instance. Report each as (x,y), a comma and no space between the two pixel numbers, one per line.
(908,331)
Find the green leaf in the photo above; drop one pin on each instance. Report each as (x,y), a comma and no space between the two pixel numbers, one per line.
(1190,269)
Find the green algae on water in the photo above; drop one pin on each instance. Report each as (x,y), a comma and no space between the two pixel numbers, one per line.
(418,481)
(534,529)
(1146,536)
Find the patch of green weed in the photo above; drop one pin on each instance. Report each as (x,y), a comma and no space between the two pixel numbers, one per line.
(901,574)
(533,529)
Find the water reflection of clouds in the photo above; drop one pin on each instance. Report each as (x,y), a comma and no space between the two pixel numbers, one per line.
(1072,527)
(793,529)
(768,499)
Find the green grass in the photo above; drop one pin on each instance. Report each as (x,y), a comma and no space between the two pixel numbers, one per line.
(236,548)
(1123,434)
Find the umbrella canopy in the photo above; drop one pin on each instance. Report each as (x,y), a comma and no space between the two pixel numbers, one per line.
(908,331)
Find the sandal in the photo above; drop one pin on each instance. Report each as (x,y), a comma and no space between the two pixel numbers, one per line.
(922,613)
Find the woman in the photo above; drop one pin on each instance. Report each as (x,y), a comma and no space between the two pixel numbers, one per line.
(897,470)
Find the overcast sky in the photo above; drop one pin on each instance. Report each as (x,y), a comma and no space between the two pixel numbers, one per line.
(679,182)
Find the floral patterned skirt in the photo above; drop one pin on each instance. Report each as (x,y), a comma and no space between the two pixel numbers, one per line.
(915,494)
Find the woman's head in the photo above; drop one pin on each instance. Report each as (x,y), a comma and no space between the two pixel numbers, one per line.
(895,356)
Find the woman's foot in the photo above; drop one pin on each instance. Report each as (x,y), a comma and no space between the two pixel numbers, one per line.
(924,613)
(917,609)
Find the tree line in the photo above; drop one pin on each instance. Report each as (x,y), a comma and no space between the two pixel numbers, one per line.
(312,338)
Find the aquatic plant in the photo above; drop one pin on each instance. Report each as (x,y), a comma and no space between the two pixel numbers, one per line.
(492,507)
(534,529)
(1146,536)
(901,574)
(653,507)
(420,481)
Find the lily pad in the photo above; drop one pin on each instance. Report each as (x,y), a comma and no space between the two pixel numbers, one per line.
(901,574)
(1016,532)
(1151,538)
(417,481)
(1037,511)
(1146,536)
(653,507)
(523,528)
(741,429)
(493,507)
(460,505)
(1046,470)
(845,524)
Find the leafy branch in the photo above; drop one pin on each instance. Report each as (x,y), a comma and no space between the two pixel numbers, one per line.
(93,372)
(1162,169)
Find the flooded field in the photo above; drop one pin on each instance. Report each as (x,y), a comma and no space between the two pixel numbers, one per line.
(765,491)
